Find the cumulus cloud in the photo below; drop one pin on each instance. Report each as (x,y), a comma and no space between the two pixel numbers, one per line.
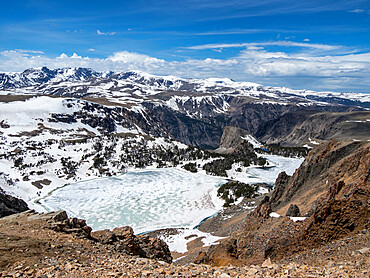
(75,56)
(301,69)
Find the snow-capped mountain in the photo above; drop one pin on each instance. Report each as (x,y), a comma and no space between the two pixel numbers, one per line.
(135,87)
(193,111)
(38,76)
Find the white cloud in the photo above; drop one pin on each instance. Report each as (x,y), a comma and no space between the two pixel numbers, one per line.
(30,51)
(272,43)
(105,33)
(306,40)
(75,56)
(357,11)
(63,56)
(132,61)
(304,69)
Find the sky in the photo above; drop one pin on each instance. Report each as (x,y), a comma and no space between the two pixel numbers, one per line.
(319,45)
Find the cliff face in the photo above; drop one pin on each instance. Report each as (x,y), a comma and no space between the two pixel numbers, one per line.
(295,128)
(231,139)
(331,187)
(324,166)
(10,205)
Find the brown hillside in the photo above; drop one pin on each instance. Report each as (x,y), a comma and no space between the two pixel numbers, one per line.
(331,187)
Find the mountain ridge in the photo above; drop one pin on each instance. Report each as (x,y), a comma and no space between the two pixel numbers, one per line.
(187,109)
(44,75)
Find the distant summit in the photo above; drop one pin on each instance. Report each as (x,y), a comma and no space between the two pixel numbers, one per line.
(70,81)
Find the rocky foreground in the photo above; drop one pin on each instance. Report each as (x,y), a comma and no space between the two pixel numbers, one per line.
(31,246)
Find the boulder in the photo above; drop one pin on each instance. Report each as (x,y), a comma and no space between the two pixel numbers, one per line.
(123,232)
(155,248)
(293,211)
(263,209)
(123,239)
(104,236)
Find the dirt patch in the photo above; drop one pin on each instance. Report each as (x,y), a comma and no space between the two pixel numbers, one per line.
(40,183)
(11,98)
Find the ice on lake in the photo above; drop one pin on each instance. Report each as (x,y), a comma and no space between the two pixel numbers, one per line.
(154,199)
(144,199)
(279,164)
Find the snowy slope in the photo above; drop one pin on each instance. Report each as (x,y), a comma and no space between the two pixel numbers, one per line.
(47,142)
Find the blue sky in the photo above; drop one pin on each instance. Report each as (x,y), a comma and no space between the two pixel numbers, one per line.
(320,45)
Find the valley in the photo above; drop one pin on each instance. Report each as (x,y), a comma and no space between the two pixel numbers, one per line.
(210,166)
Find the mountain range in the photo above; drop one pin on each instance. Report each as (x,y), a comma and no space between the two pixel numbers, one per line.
(195,111)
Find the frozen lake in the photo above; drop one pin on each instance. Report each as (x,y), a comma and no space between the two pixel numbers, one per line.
(144,199)
(154,199)
(279,163)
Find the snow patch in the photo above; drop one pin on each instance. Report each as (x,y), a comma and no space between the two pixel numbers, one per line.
(313,141)
(274,214)
(295,219)
(249,138)
(178,243)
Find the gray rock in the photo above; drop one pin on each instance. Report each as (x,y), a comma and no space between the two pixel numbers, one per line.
(56,216)
(11,205)
(293,211)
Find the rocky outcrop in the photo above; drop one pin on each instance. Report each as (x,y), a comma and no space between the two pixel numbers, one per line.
(123,239)
(253,242)
(317,172)
(59,222)
(231,139)
(10,205)
(293,211)
(280,187)
(155,248)
(331,185)
(120,240)
(344,210)
(263,209)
